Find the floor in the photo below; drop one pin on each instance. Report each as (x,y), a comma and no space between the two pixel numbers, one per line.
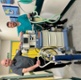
(74,70)
(74,20)
(67,72)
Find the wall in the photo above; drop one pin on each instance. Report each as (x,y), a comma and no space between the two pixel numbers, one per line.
(0,44)
(0,49)
(0,54)
(5,48)
(74,19)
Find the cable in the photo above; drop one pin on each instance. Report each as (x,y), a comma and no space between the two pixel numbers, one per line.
(40,26)
(43,19)
(46,20)
(42,51)
(20,7)
(27,2)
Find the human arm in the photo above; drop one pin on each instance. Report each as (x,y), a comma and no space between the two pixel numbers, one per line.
(21,35)
(28,15)
(21,71)
(19,53)
(20,45)
(21,40)
(24,70)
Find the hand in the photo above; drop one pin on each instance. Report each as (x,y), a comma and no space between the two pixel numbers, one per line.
(20,44)
(38,63)
(28,15)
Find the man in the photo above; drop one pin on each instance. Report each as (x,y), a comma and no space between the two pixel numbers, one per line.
(21,64)
(22,24)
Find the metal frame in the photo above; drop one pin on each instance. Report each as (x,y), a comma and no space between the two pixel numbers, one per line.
(28,76)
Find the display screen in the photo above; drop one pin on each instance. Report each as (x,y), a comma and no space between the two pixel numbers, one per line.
(31,46)
(25,40)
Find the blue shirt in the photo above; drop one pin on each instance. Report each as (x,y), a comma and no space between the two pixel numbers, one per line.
(24,24)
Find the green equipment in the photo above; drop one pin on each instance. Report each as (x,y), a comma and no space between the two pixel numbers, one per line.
(26,1)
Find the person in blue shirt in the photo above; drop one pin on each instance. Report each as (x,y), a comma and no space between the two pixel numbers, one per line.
(22,24)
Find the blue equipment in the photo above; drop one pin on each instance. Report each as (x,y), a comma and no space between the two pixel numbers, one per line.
(53,55)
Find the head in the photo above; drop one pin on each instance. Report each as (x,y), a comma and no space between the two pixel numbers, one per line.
(6,62)
(11,24)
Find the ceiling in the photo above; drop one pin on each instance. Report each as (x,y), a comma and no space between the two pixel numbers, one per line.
(52,7)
